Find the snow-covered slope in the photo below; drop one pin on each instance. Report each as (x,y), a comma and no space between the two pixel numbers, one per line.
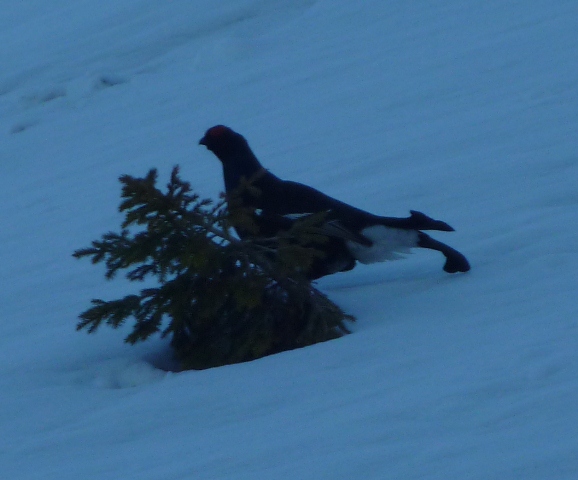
(464,110)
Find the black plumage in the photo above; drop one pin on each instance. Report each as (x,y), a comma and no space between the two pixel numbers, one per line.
(354,234)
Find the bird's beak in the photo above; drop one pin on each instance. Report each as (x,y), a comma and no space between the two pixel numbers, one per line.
(203,141)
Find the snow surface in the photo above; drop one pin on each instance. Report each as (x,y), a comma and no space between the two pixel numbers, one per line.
(465,110)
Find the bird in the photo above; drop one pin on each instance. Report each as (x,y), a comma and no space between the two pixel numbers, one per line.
(353,235)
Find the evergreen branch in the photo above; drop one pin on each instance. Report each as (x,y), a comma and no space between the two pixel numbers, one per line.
(222,299)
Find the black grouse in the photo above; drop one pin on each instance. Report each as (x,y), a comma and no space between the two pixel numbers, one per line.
(353,234)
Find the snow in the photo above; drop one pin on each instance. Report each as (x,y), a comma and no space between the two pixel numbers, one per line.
(466,111)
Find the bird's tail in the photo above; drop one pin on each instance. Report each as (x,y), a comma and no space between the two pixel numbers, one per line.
(455,261)
(416,221)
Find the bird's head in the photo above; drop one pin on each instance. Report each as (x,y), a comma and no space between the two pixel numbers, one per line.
(225,143)
(234,152)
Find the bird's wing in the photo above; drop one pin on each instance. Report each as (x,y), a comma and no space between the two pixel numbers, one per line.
(334,228)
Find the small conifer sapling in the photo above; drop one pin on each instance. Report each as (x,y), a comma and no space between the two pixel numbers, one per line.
(220,299)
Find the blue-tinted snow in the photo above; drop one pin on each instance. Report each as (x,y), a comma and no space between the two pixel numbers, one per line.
(467,111)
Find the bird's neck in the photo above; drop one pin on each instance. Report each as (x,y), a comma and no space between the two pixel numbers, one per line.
(234,169)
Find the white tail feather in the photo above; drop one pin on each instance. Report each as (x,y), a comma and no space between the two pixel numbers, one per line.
(388,244)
